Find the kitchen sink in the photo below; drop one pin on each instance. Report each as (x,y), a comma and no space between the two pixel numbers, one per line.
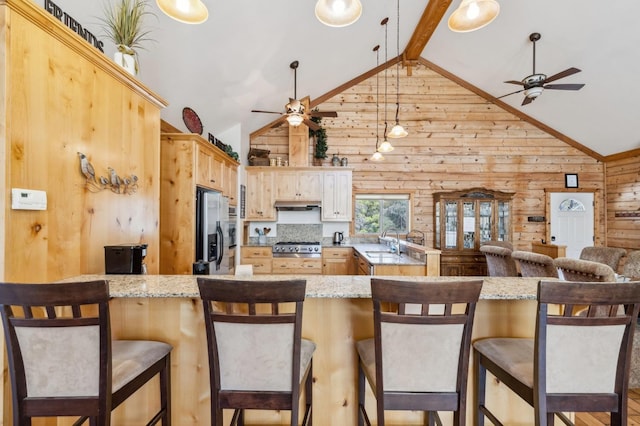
(382,255)
(378,252)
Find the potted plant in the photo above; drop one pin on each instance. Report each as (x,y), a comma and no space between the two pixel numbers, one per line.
(320,138)
(122,23)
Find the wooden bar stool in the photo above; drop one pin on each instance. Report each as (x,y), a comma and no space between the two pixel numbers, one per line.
(257,357)
(418,358)
(62,361)
(576,363)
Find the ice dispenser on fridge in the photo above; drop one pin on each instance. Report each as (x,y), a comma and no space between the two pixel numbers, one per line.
(125,259)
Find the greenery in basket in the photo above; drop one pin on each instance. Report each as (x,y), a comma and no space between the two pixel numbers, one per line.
(123,24)
(230,152)
(321,139)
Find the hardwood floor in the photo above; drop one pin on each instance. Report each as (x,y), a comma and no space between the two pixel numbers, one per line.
(601,419)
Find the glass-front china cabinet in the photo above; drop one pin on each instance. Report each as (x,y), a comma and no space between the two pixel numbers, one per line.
(464,220)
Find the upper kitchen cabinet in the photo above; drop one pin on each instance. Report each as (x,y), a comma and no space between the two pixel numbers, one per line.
(336,199)
(259,202)
(464,220)
(209,167)
(298,185)
(231,182)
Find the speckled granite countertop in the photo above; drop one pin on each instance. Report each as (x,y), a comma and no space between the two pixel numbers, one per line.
(318,286)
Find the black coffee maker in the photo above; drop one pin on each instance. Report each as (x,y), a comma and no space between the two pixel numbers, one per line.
(125,259)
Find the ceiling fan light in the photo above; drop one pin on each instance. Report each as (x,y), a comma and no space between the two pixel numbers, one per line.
(385,147)
(338,13)
(472,15)
(185,11)
(295,119)
(397,132)
(377,156)
(533,92)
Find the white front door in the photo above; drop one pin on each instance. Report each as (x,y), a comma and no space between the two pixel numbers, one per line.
(572,221)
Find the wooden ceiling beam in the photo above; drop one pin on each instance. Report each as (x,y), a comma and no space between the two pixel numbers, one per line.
(429,21)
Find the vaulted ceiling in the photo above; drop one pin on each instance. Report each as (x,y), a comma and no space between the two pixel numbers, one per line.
(239,59)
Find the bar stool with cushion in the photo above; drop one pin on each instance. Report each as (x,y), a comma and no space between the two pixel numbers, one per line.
(257,357)
(575,363)
(418,358)
(62,361)
(499,261)
(535,264)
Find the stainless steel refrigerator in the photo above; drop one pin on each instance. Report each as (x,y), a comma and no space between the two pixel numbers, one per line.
(212,233)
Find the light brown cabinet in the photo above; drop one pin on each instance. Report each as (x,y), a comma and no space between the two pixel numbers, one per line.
(338,261)
(260,184)
(259,257)
(230,181)
(298,185)
(463,221)
(296,265)
(186,161)
(336,199)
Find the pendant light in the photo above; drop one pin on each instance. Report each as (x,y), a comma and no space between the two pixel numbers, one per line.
(338,13)
(398,131)
(185,11)
(377,156)
(385,146)
(472,15)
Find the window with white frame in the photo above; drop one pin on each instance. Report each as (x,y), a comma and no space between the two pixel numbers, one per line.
(376,213)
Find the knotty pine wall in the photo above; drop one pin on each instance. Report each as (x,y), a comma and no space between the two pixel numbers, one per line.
(63,97)
(457,140)
(623,194)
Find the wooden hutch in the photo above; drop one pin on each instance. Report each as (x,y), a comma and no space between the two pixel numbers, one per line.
(463,221)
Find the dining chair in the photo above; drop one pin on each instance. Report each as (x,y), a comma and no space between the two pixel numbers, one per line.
(418,358)
(608,255)
(575,363)
(631,268)
(584,270)
(499,261)
(62,361)
(535,264)
(257,357)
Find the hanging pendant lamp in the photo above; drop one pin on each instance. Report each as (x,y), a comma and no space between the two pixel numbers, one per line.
(397,131)
(472,15)
(385,146)
(185,11)
(338,13)
(377,156)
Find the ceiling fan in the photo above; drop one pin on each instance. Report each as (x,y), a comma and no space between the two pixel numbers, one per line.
(295,111)
(534,84)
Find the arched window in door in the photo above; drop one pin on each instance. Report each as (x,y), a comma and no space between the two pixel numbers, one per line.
(571,205)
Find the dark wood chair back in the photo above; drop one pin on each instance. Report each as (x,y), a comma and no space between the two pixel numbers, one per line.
(419,356)
(60,354)
(257,357)
(579,363)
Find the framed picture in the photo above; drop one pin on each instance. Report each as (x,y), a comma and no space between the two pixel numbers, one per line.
(570,180)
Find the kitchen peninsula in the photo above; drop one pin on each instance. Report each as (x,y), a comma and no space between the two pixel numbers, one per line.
(337,313)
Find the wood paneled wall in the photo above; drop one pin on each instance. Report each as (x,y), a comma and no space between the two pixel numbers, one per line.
(623,195)
(63,97)
(457,140)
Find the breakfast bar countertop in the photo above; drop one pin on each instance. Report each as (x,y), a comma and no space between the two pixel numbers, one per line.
(318,286)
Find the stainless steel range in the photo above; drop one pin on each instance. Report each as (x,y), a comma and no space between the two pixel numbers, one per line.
(297,249)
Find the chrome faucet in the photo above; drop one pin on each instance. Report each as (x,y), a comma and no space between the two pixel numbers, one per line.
(397,243)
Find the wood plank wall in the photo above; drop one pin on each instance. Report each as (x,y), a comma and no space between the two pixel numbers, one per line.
(64,97)
(623,195)
(457,140)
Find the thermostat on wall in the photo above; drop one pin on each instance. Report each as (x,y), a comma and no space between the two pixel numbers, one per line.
(28,199)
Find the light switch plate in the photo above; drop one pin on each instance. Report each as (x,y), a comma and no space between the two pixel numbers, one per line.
(28,199)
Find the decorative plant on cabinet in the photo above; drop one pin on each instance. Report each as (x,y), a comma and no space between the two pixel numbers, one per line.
(320,139)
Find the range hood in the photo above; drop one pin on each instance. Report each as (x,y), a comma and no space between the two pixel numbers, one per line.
(297,206)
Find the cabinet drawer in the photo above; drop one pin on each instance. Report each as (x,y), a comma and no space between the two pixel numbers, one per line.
(260,265)
(336,253)
(249,252)
(297,266)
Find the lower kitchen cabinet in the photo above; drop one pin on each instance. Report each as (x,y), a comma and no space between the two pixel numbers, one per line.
(297,265)
(259,257)
(338,261)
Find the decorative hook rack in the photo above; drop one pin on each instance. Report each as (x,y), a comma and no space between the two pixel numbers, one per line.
(117,184)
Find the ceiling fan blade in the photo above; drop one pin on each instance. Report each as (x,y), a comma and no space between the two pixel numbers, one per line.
(515,82)
(311,124)
(266,112)
(323,114)
(562,74)
(564,86)
(527,101)
(512,93)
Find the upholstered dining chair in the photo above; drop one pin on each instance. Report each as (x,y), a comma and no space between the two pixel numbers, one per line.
(499,261)
(575,363)
(608,255)
(257,357)
(535,264)
(584,270)
(418,358)
(631,268)
(62,361)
